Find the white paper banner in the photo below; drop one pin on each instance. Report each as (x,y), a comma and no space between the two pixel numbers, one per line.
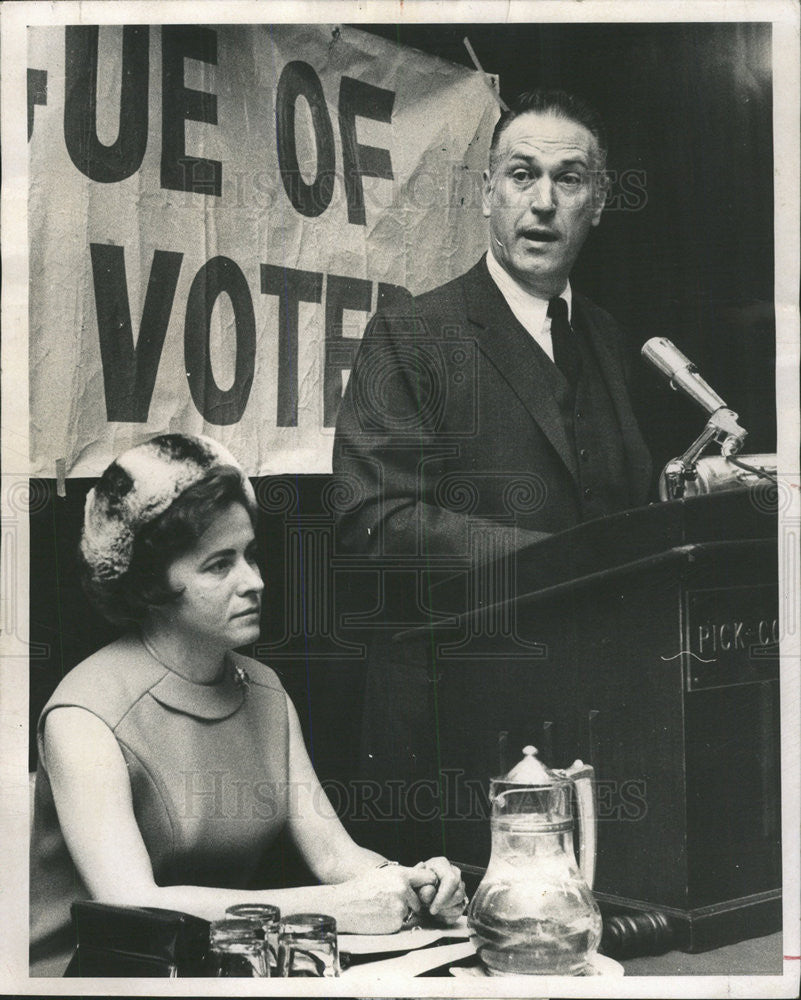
(214,214)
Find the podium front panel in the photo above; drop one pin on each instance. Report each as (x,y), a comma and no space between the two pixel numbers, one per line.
(661,673)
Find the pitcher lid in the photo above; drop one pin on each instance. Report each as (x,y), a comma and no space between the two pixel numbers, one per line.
(530,770)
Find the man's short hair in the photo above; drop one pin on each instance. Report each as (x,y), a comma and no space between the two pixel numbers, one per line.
(559,103)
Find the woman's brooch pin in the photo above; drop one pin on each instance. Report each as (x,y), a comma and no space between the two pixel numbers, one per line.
(241,678)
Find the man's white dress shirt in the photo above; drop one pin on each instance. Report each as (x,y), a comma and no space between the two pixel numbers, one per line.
(529,310)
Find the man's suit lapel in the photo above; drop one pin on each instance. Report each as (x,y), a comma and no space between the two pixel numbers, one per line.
(521,362)
(638,458)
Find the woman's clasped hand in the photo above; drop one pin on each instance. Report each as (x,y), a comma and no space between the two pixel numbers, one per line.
(444,896)
(391,897)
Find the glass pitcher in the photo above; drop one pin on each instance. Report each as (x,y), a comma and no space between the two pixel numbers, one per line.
(533,911)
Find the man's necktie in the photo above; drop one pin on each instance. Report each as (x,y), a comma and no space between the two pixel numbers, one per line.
(565,349)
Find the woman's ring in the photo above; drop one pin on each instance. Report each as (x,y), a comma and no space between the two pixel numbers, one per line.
(409,918)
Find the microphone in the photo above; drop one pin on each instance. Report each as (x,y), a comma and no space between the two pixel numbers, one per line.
(683,375)
(680,372)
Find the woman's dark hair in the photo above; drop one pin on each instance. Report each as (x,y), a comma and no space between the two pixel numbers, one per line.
(126,600)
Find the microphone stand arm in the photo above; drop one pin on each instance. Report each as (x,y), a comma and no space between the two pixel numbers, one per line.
(722,427)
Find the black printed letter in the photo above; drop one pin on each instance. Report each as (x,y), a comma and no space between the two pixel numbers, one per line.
(362,100)
(105,164)
(129,373)
(180,172)
(218,406)
(291,287)
(298,79)
(341,294)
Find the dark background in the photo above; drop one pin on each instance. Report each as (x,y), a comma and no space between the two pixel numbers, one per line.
(689,107)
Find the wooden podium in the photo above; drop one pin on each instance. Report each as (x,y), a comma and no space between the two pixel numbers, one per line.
(645,644)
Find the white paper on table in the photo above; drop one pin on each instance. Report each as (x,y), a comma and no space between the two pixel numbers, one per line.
(415,937)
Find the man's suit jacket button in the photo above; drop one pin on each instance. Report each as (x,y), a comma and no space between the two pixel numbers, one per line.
(587,492)
(584,454)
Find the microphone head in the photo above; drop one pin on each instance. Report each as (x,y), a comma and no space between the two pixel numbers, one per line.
(680,372)
(665,356)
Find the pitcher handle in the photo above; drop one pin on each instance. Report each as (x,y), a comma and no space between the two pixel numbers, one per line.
(583,777)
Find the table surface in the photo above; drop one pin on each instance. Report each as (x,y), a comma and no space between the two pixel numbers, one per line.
(755,957)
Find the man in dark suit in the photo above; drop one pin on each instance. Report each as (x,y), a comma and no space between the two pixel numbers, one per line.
(494,407)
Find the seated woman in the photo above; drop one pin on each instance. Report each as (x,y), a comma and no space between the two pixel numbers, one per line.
(169,763)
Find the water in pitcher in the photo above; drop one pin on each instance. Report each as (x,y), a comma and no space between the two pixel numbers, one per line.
(533,913)
(534,946)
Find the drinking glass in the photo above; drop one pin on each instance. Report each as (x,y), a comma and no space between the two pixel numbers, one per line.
(307,946)
(268,919)
(236,949)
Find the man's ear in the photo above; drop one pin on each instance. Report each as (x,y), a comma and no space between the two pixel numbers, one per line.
(486,193)
(601,184)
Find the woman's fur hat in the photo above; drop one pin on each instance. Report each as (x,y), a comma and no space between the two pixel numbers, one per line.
(136,488)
